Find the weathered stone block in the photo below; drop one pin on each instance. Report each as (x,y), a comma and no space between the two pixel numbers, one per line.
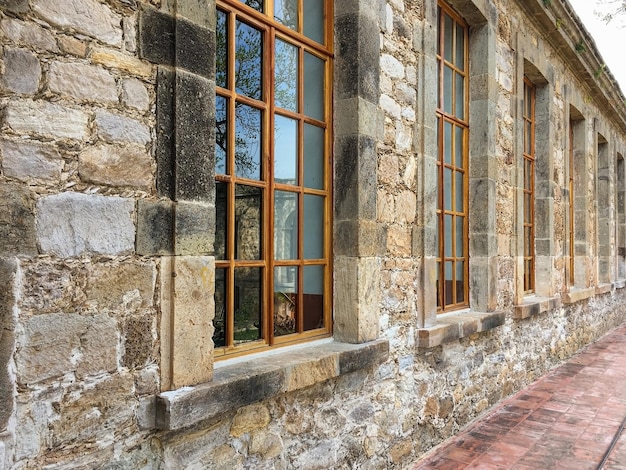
(122,288)
(31,163)
(22,71)
(28,34)
(101,23)
(83,82)
(135,95)
(250,418)
(8,276)
(195,48)
(15,6)
(73,46)
(139,341)
(89,346)
(73,224)
(155,227)
(113,165)
(194,228)
(17,220)
(118,60)
(165,135)
(306,373)
(115,128)
(156,36)
(46,119)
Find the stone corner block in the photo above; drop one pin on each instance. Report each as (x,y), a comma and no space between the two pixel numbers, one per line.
(72,224)
(155,221)
(194,228)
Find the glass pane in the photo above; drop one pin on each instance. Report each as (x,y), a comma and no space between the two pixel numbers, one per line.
(447,38)
(437,282)
(221,219)
(247,142)
(313,157)
(248,324)
(285,150)
(527,241)
(527,174)
(313,86)
(219,321)
(221,134)
(313,298)
(448,281)
(458,147)
(248,218)
(459,189)
(460,96)
(448,228)
(447,89)
(460,47)
(447,189)
(286,12)
(527,202)
(221,52)
(460,284)
(256,4)
(460,239)
(528,137)
(313,227)
(248,60)
(447,142)
(285,225)
(285,299)
(314,20)
(286,76)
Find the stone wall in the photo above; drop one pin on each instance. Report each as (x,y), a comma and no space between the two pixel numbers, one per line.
(107,225)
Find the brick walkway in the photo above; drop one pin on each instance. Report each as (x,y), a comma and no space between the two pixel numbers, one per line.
(570,418)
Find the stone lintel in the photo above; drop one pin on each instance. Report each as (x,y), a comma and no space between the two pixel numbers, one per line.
(241,384)
(603,288)
(456,325)
(577,294)
(534,305)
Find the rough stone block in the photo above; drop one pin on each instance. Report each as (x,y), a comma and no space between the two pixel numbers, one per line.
(195,48)
(194,228)
(113,165)
(22,71)
(89,346)
(306,373)
(155,227)
(135,95)
(31,163)
(29,34)
(17,220)
(139,341)
(118,60)
(74,224)
(83,82)
(156,36)
(165,133)
(8,275)
(73,46)
(101,23)
(14,6)
(115,128)
(46,119)
(250,418)
(123,288)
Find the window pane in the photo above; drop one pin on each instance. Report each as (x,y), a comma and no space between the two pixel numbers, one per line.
(447,142)
(459,188)
(460,239)
(285,225)
(313,86)
(285,300)
(313,227)
(286,12)
(449,280)
(221,134)
(248,325)
(448,228)
(447,89)
(313,298)
(447,38)
(248,220)
(221,219)
(285,150)
(460,284)
(313,157)
(460,96)
(256,4)
(460,47)
(247,142)
(458,147)
(248,60)
(219,321)
(447,189)
(528,137)
(221,53)
(314,20)
(527,240)
(286,76)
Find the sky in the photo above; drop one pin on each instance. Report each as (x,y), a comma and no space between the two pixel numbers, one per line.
(609,38)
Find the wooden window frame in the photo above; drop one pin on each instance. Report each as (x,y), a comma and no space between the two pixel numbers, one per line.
(572,207)
(271,30)
(528,119)
(449,301)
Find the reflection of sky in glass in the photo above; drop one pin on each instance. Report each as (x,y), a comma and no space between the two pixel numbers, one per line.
(313,227)
(286,76)
(313,86)
(285,149)
(221,135)
(247,142)
(313,157)
(314,20)
(248,62)
(286,12)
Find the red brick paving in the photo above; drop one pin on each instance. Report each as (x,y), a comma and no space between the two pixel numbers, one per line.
(568,419)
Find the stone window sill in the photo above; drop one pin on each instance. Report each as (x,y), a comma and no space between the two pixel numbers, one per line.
(243,383)
(620,284)
(577,294)
(456,325)
(534,305)
(603,288)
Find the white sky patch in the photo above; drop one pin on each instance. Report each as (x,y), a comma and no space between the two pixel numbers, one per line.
(610,38)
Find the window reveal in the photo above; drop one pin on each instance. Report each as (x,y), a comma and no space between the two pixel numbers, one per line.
(272,243)
(452,161)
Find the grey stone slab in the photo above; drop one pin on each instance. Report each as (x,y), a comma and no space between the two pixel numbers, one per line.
(155,227)
(22,71)
(83,82)
(46,119)
(14,6)
(17,220)
(165,136)
(31,162)
(117,128)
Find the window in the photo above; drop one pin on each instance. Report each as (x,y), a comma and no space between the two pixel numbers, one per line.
(572,206)
(621,218)
(452,161)
(529,185)
(273,191)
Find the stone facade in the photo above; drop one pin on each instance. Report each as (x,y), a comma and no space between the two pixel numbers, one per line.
(107,218)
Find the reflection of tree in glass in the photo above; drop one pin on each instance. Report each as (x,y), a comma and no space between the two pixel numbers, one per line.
(256,4)
(286,12)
